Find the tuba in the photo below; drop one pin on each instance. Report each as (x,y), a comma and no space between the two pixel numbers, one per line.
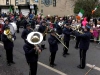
(13,27)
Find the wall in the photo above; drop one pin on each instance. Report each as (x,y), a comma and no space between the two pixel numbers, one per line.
(22,1)
(2,2)
(63,7)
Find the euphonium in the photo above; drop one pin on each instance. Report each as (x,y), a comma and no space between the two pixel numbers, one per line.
(8,34)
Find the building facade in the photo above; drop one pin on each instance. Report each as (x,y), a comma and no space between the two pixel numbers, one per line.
(52,7)
(57,7)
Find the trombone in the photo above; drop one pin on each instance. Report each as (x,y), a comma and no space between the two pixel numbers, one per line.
(60,41)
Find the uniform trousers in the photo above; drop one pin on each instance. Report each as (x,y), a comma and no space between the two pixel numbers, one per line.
(44,38)
(9,55)
(33,68)
(67,45)
(77,42)
(52,58)
(83,58)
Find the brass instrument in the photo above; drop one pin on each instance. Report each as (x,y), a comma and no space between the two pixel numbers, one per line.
(76,28)
(13,27)
(35,38)
(7,32)
(60,40)
(59,36)
(45,32)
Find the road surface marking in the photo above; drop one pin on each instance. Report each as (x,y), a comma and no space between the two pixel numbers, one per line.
(50,68)
(96,68)
(46,66)
(97,47)
(1,44)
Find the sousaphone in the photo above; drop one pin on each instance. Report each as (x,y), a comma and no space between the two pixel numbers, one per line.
(13,27)
(34,38)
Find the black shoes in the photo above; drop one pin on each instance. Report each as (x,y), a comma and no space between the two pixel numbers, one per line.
(52,65)
(43,47)
(67,53)
(10,63)
(80,67)
(64,55)
(76,47)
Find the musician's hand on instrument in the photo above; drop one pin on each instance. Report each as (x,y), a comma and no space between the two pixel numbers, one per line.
(35,48)
(54,34)
(39,51)
(80,32)
(12,39)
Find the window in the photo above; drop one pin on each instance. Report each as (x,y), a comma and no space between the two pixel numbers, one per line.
(54,3)
(36,0)
(7,2)
(16,3)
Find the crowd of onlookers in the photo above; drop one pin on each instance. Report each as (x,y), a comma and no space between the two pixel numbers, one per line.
(54,22)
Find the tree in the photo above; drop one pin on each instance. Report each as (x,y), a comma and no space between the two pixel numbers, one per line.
(87,6)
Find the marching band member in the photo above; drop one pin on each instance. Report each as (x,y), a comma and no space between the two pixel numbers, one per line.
(26,32)
(59,27)
(43,29)
(18,24)
(7,40)
(53,45)
(31,55)
(84,46)
(66,31)
(77,37)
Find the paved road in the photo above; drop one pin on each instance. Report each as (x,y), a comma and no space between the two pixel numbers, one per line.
(66,65)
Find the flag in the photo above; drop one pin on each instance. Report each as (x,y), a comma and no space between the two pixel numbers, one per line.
(80,15)
(10,9)
(94,9)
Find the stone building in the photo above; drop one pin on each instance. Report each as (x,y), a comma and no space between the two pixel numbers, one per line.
(57,7)
(52,7)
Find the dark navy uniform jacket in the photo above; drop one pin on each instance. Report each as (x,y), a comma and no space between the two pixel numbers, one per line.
(25,33)
(59,29)
(30,53)
(53,43)
(42,29)
(18,23)
(67,33)
(85,40)
(7,43)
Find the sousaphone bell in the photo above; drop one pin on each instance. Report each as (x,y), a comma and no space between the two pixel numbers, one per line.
(34,38)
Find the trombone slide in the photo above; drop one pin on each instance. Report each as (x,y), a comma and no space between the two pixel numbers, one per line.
(62,42)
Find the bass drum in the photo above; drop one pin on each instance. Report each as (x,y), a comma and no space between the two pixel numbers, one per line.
(13,28)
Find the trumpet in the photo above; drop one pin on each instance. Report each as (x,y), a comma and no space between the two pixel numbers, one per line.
(77,28)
